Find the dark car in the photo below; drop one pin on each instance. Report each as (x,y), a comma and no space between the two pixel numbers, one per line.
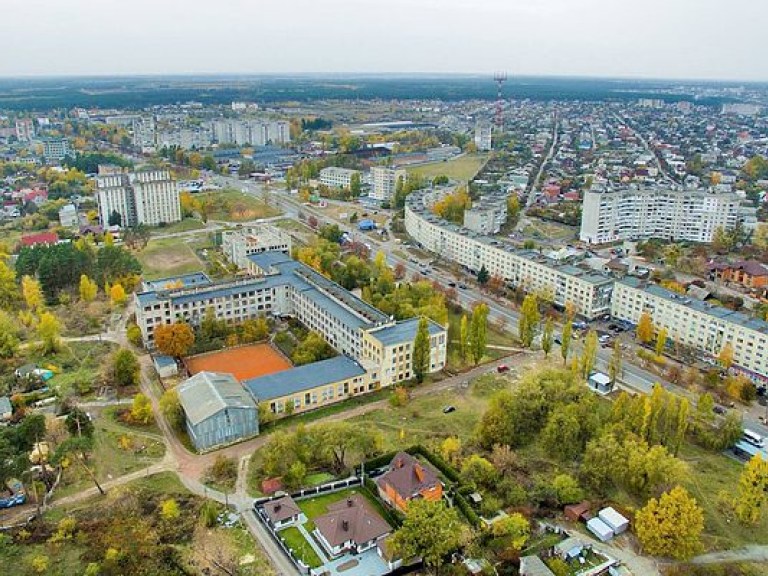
(449,409)
(452,284)
(501,368)
(462,286)
(719,410)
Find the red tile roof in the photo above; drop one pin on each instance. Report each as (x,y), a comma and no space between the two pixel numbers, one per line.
(42,238)
(407,476)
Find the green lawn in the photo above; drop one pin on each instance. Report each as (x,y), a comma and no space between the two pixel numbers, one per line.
(183,226)
(235,206)
(462,168)
(164,257)
(496,337)
(422,420)
(295,541)
(710,474)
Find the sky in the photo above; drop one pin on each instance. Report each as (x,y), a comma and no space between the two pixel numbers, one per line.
(706,39)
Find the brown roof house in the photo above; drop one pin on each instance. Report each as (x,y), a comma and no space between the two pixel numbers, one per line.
(406,479)
(350,525)
(282,512)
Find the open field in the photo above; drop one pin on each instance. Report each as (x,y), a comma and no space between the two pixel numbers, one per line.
(235,206)
(463,168)
(243,362)
(185,225)
(168,257)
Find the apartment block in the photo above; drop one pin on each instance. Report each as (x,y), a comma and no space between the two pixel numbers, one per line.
(587,291)
(238,245)
(483,135)
(696,324)
(251,132)
(148,197)
(55,148)
(25,130)
(637,213)
(384,182)
(334,177)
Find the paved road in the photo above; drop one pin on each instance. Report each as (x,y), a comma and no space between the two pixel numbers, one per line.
(754,553)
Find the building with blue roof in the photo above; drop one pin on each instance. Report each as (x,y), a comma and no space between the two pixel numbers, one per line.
(310,386)
(182,281)
(375,349)
(697,324)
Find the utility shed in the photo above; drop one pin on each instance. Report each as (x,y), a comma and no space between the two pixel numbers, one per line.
(600,529)
(218,410)
(612,518)
(534,566)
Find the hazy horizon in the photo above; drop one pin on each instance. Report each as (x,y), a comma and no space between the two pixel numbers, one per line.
(654,40)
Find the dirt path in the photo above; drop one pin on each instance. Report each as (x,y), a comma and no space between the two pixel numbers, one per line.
(754,553)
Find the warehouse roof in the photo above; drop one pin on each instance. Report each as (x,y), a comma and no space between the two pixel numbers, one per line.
(207,393)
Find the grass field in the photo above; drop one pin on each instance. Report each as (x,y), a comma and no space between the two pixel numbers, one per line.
(422,420)
(243,362)
(109,460)
(296,542)
(185,225)
(235,206)
(462,168)
(168,257)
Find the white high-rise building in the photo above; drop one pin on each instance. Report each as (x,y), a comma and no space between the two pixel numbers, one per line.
(251,132)
(384,182)
(483,135)
(634,214)
(148,197)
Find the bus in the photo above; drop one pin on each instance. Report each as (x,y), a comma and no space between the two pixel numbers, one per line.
(753,438)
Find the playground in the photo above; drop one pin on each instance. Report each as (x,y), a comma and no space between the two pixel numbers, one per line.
(243,362)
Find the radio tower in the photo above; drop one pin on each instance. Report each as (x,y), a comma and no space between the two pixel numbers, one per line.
(499,78)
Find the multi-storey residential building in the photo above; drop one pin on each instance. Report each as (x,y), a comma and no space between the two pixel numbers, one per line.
(636,213)
(384,182)
(238,245)
(148,197)
(55,148)
(696,324)
(282,286)
(483,135)
(587,291)
(251,132)
(25,130)
(337,177)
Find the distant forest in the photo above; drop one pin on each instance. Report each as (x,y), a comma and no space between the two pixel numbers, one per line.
(139,92)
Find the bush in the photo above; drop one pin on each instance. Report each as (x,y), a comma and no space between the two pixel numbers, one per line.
(466,510)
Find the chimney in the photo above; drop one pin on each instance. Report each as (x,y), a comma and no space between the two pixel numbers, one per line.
(419,471)
(399,463)
(349,502)
(345,525)
(277,507)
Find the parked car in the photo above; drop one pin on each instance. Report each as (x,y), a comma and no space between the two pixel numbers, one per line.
(462,286)
(719,410)
(449,409)
(452,284)
(501,368)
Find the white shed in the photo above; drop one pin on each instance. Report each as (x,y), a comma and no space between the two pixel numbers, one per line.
(616,521)
(600,529)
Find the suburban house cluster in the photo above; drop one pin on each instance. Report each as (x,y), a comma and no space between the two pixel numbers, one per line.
(375,350)
(352,526)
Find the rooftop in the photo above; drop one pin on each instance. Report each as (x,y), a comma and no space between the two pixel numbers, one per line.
(207,393)
(404,331)
(351,519)
(303,378)
(716,312)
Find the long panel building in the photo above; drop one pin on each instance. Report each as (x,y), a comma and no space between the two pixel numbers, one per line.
(696,324)
(587,291)
(641,213)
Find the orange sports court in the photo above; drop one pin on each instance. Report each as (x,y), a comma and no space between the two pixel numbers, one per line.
(243,362)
